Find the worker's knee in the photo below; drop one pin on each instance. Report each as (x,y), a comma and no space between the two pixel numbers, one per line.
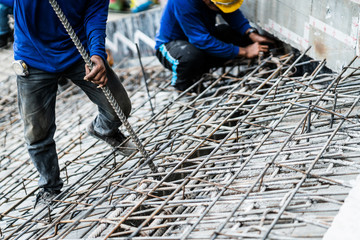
(37,129)
(190,69)
(33,135)
(38,114)
(193,61)
(186,62)
(181,57)
(191,56)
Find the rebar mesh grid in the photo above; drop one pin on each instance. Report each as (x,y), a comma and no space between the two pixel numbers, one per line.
(261,153)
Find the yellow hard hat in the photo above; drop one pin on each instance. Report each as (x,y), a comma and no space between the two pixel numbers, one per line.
(228,6)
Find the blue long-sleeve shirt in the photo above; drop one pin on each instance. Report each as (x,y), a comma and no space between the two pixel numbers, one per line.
(193,21)
(8,3)
(41,40)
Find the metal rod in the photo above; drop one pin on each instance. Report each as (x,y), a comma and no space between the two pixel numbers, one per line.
(144,76)
(105,89)
(212,153)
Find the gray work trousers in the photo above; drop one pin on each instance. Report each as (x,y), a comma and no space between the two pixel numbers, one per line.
(36,99)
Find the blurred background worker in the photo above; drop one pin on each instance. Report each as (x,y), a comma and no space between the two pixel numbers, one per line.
(5,31)
(189,42)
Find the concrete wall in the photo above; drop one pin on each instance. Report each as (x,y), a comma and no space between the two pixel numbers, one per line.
(125,30)
(331,27)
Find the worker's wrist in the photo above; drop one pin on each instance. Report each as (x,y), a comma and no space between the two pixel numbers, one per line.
(242,52)
(250,31)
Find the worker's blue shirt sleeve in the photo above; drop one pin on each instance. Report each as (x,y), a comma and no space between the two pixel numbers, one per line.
(199,35)
(9,3)
(237,21)
(41,40)
(95,25)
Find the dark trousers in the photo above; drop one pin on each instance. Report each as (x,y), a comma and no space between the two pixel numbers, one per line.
(187,63)
(36,99)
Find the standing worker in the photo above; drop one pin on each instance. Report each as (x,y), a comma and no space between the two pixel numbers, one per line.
(44,54)
(189,42)
(5,10)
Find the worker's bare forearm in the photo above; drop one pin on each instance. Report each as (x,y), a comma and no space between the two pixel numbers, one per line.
(242,52)
(252,50)
(255,37)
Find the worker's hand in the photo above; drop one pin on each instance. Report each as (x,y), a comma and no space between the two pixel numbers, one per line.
(255,37)
(98,74)
(253,50)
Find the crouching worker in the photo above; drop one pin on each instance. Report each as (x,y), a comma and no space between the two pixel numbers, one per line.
(45,53)
(189,42)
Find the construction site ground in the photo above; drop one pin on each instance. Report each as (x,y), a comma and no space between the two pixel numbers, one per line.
(266,151)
